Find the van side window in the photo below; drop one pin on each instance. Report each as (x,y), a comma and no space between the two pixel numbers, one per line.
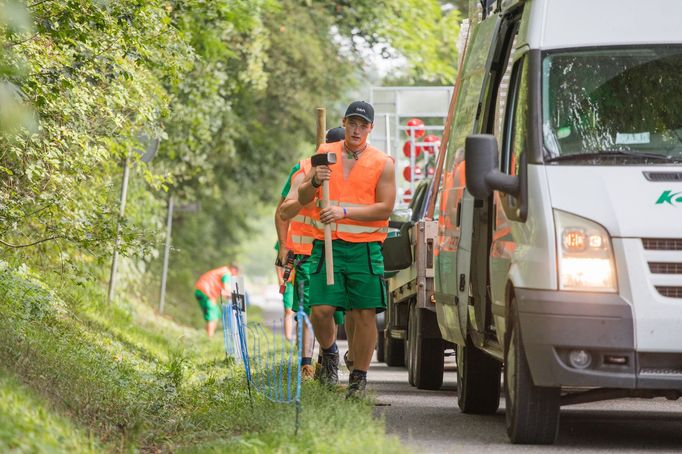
(515,127)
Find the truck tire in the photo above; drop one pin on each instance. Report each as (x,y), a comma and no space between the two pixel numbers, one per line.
(478,380)
(532,412)
(426,355)
(341,333)
(409,343)
(381,342)
(394,352)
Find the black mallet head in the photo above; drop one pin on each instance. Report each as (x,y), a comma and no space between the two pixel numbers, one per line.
(323,159)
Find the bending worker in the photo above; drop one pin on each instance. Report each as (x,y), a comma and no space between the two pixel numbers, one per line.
(362,193)
(207,291)
(300,236)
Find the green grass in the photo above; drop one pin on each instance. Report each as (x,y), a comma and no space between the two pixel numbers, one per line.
(140,381)
(29,424)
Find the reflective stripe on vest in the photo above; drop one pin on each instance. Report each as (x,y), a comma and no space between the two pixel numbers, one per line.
(302,239)
(336,203)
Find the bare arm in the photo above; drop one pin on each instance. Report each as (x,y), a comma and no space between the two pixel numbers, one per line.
(378,211)
(281,226)
(290,207)
(307,192)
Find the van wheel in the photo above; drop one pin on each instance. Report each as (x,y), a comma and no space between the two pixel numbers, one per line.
(394,352)
(532,412)
(478,380)
(426,355)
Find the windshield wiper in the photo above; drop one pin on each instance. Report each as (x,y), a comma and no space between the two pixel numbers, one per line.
(614,154)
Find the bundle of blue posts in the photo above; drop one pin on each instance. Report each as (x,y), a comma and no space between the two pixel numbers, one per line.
(272,364)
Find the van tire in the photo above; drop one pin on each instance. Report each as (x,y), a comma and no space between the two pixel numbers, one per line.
(532,412)
(426,355)
(478,381)
(394,352)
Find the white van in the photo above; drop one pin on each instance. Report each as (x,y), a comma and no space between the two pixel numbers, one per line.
(559,249)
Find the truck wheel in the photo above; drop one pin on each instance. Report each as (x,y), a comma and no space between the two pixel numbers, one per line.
(410,350)
(532,412)
(426,355)
(478,380)
(394,352)
(381,341)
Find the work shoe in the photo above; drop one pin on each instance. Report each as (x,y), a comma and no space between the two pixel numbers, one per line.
(329,373)
(307,372)
(318,371)
(349,363)
(356,386)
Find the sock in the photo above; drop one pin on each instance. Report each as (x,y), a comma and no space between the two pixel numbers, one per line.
(359,373)
(332,349)
(306,361)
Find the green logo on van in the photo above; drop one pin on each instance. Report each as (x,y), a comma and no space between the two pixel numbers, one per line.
(670,197)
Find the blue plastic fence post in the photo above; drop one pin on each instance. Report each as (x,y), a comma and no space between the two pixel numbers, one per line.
(225,333)
(271,369)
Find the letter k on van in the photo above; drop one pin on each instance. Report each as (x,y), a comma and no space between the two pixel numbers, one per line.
(670,198)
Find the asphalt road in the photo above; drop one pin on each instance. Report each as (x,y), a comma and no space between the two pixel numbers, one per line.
(430,421)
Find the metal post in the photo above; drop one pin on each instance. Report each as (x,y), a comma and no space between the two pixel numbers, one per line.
(166,252)
(121,213)
(388,137)
(413,158)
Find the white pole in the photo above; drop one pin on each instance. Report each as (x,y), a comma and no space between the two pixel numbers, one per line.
(166,252)
(121,213)
(413,164)
(388,136)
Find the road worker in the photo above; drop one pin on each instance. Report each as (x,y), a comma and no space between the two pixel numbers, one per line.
(362,194)
(208,290)
(300,236)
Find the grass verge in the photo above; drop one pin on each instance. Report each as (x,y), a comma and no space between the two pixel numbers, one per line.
(29,424)
(140,381)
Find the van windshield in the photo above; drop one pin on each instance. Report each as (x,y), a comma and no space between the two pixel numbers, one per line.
(613,106)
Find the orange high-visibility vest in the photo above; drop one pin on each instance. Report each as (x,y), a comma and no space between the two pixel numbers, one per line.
(301,231)
(211,282)
(359,189)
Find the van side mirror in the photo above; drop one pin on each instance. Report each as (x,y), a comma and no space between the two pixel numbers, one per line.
(483,174)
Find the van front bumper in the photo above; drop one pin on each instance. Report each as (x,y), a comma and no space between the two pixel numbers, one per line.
(555,323)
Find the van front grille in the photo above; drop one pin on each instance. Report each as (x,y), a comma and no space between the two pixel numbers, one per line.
(663,176)
(665,268)
(662,244)
(670,292)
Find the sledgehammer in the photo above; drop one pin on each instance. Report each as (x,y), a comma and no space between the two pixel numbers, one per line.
(318,160)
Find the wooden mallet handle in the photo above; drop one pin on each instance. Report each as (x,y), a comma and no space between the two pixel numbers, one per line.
(328,254)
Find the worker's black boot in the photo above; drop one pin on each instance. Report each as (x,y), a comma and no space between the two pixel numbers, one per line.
(329,374)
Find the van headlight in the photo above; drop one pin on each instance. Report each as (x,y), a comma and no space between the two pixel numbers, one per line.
(584,255)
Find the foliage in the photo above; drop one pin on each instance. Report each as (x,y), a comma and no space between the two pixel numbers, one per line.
(229,86)
(89,78)
(425,35)
(422,32)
